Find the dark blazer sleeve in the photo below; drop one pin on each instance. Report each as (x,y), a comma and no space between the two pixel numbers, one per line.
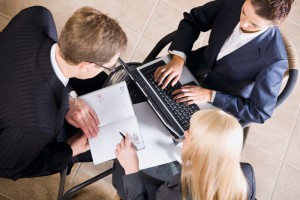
(262,101)
(25,152)
(249,174)
(199,19)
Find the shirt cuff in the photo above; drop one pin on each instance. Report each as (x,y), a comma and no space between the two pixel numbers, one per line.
(213,95)
(178,53)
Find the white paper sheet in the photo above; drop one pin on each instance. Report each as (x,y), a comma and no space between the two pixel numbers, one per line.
(115,112)
(159,146)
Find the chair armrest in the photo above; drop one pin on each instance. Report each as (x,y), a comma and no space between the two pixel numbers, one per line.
(159,46)
(293,74)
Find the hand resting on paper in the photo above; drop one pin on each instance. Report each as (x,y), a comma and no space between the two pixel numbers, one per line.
(78,143)
(127,156)
(84,117)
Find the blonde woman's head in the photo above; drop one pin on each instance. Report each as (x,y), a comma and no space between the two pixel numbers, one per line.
(211,155)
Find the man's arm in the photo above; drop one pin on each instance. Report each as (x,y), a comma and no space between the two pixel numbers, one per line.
(25,152)
(259,107)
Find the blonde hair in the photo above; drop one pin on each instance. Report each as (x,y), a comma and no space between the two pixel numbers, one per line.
(90,35)
(211,164)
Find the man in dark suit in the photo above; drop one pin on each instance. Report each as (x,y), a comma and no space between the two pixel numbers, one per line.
(34,100)
(243,63)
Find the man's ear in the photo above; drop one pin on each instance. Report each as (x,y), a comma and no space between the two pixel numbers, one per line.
(85,66)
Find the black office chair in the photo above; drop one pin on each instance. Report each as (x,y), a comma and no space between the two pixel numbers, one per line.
(291,73)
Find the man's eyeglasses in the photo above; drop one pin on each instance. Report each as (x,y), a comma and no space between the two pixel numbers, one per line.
(109,69)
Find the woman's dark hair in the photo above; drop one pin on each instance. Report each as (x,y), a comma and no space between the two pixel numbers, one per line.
(272,10)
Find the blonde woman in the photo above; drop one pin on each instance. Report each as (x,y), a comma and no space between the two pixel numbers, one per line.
(210,164)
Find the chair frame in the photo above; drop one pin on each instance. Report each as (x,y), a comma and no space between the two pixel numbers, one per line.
(71,191)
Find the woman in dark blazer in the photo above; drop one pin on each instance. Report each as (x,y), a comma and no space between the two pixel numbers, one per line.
(244,61)
(211,167)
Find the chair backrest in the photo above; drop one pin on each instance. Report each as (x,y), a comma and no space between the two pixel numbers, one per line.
(292,71)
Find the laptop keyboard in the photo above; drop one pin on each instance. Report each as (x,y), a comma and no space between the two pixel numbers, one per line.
(181,112)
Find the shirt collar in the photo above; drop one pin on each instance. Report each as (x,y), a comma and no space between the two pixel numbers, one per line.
(249,35)
(55,66)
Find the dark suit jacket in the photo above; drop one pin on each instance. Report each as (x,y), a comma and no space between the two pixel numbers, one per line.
(136,187)
(247,80)
(33,101)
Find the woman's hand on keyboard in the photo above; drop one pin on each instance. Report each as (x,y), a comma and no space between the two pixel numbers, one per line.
(189,94)
(170,72)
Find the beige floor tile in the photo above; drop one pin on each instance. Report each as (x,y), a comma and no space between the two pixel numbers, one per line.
(10,8)
(292,104)
(291,28)
(62,15)
(293,154)
(144,48)
(3,22)
(38,188)
(93,170)
(133,39)
(166,16)
(99,190)
(3,197)
(287,187)
(294,14)
(165,19)
(133,14)
(187,5)
(266,169)
(45,188)
(273,136)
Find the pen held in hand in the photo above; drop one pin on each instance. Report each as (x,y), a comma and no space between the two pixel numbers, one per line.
(123,136)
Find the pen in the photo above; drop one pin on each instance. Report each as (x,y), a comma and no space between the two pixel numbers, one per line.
(123,136)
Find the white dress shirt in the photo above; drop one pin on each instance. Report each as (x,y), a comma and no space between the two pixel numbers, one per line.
(55,66)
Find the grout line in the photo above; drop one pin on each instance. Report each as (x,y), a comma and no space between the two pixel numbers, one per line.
(5,16)
(144,29)
(292,21)
(91,2)
(3,195)
(286,150)
(264,151)
(75,174)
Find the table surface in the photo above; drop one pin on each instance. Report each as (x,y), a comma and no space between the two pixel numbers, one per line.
(162,172)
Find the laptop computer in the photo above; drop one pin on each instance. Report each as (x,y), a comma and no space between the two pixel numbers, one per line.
(174,115)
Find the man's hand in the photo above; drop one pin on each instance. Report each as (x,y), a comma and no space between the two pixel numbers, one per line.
(192,94)
(127,156)
(78,143)
(170,72)
(82,116)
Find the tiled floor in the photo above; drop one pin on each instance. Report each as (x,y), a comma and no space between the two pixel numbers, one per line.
(272,148)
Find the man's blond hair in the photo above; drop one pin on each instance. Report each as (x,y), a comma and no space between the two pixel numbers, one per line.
(90,35)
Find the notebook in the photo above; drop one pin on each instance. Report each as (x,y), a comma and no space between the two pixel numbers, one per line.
(175,116)
(114,109)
